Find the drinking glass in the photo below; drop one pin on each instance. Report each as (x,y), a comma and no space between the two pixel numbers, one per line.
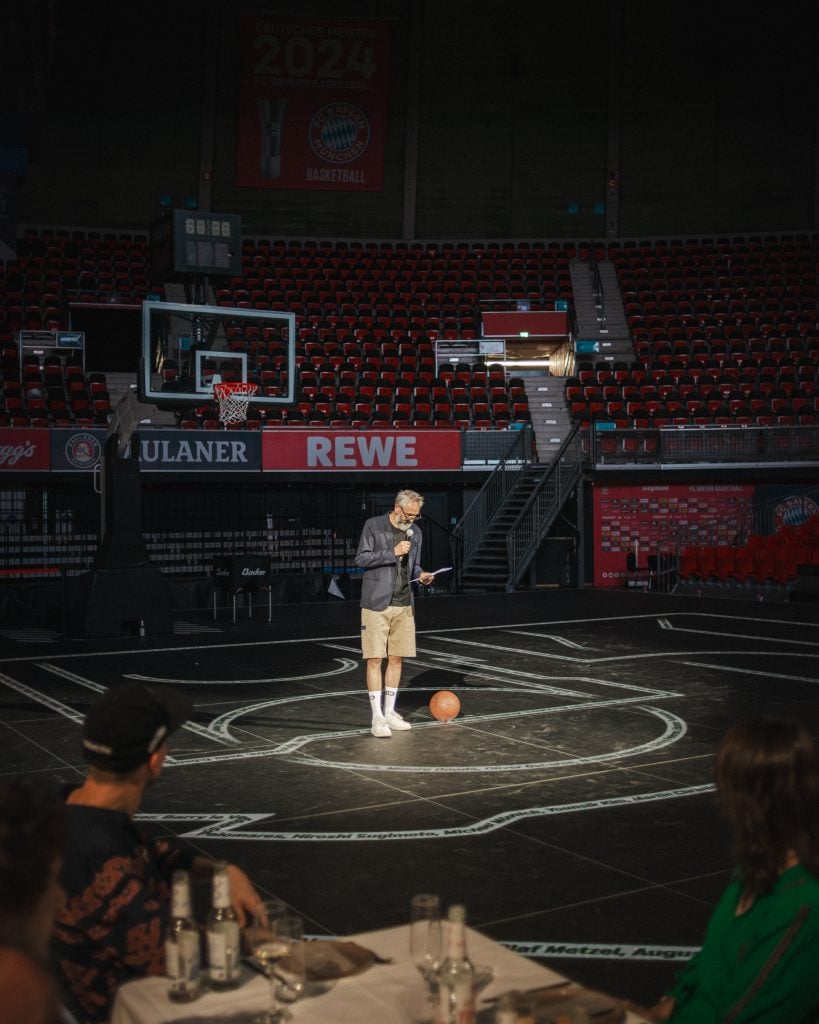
(259,924)
(426,940)
(291,973)
(276,941)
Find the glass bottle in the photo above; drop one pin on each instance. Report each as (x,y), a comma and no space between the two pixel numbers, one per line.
(182,948)
(224,941)
(456,977)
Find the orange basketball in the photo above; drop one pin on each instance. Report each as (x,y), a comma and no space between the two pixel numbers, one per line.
(444,705)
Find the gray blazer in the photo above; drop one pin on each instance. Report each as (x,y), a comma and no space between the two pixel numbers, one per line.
(376,556)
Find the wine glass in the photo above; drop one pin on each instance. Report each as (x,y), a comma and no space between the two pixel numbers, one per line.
(274,940)
(426,940)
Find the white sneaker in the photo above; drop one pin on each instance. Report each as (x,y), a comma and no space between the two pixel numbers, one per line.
(395,721)
(380,728)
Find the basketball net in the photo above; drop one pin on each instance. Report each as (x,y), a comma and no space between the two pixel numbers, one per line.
(233,398)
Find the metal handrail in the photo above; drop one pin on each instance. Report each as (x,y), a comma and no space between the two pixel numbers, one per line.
(490,498)
(597,284)
(543,506)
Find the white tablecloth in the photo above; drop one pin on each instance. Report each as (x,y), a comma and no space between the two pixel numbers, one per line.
(386,993)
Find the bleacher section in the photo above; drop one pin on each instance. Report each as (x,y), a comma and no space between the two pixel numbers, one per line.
(55,268)
(724,331)
(724,334)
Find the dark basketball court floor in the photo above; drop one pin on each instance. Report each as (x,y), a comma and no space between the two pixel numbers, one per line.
(569,806)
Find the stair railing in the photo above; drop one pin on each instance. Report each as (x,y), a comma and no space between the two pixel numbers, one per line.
(490,498)
(543,506)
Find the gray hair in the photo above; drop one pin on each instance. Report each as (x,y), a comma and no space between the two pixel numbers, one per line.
(404,498)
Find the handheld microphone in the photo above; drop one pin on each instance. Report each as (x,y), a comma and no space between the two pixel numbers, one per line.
(408,535)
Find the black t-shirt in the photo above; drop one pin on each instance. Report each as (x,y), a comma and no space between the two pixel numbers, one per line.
(401,591)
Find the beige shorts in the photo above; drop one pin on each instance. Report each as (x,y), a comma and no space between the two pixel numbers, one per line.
(389,632)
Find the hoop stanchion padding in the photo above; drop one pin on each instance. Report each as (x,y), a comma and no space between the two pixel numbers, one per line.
(233,398)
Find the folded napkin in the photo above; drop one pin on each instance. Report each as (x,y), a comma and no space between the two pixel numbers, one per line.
(328,959)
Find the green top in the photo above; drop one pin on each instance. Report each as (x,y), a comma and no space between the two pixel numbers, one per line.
(760,966)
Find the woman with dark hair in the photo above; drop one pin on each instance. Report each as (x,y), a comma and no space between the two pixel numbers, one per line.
(760,958)
(32,836)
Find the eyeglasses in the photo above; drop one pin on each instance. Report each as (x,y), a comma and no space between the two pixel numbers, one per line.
(408,515)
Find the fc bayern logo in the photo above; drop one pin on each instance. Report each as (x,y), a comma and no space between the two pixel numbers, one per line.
(794,511)
(339,133)
(83,451)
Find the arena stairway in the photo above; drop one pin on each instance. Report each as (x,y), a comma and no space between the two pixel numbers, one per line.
(551,418)
(600,318)
(488,567)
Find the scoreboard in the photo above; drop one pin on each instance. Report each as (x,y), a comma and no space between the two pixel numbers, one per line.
(192,242)
(207,243)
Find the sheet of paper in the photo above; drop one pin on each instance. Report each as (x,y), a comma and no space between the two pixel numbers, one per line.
(446,568)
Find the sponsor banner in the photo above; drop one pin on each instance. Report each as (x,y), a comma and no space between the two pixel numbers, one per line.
(313,449)
(312,102)
(75,450)
(25,450)
(179,451)
(654,519)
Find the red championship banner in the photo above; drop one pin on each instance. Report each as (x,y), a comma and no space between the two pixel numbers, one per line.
(312,102)
(24,450)
(315,450)
(656,519)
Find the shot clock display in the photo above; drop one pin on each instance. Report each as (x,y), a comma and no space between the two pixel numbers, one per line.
(207,243)
(190,242)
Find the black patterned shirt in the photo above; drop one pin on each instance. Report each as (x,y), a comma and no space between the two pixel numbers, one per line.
(118,897)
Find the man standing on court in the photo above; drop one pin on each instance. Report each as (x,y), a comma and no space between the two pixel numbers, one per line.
(389,551)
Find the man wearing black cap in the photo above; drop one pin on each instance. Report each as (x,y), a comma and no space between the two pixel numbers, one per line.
(117,882)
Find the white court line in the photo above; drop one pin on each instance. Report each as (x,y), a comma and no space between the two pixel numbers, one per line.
(763,637)
(221,725)
(233,644)
(63,673)
(57,670)
(594,662)
(230,826)
(755,672)
(523,652)
(548,655)
(550,636)
(40,698)
(495,674)
(622,618)
(345,665)
(675,729)
(182,648)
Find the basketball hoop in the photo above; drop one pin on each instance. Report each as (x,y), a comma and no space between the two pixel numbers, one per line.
(233,398)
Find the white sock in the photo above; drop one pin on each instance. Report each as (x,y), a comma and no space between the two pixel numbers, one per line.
(375,702)
(389,700)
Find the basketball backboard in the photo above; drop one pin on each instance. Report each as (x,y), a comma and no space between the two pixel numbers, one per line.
(186,349)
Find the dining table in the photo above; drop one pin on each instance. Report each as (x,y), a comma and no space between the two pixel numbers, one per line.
(390,991)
